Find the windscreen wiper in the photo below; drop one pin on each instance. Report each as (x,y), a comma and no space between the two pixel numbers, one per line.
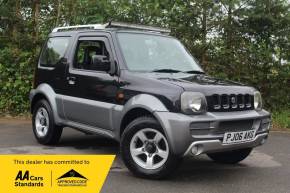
(194,72)
(166,70)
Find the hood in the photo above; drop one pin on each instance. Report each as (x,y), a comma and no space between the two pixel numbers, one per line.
(206,84)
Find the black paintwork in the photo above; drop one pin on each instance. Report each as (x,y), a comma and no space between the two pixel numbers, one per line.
(102,86)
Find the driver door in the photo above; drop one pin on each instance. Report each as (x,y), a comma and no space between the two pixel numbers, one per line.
(90,93)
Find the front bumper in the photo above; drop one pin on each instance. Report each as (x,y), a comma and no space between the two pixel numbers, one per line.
(206,131)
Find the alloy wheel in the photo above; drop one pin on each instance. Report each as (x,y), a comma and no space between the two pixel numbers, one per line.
(149,148)
(41,122)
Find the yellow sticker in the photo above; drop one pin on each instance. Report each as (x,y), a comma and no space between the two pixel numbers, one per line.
(53,173)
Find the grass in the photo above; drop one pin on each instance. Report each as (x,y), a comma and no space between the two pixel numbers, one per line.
(281,120)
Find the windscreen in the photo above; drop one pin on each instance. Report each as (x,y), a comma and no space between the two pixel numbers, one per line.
(146,52)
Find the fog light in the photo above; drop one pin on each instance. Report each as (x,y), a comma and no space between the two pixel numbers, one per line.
(194,150)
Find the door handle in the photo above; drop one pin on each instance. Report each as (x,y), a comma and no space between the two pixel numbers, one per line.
(71,80)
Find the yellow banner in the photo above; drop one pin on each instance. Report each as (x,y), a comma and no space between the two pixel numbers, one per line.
(53,173)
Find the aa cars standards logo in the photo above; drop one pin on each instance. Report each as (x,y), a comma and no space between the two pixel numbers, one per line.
(72,178)
(25,179)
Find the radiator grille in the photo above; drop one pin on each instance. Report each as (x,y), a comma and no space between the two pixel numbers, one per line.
(230,102)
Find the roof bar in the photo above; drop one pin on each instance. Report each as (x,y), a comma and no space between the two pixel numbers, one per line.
(112,25)
(137,26)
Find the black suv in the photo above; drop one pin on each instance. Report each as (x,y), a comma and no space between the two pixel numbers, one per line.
(141,87)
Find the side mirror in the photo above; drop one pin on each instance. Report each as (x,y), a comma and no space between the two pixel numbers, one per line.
(62,64)
(100,63)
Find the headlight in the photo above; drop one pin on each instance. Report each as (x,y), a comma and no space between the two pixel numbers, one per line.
(193,103)
(257,100)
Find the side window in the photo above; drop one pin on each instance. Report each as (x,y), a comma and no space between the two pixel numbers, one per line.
(86,50)
(53,51)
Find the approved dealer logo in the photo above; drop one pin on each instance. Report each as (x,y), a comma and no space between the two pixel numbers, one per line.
(72,178)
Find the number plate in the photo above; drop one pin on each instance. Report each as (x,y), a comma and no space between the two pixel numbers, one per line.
(239,137)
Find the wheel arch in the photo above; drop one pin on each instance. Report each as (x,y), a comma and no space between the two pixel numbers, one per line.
(44,91)
(37,97)
(137,106)
(132,115)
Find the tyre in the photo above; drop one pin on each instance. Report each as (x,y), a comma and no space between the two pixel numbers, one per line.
(44,128)
(230,157)
(145,149)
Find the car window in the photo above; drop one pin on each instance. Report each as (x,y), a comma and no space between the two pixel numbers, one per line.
(53,51)
(148,52)
(85,50)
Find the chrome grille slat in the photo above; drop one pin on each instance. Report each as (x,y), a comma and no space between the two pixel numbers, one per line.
(225,103)
(241,101)
(247,101)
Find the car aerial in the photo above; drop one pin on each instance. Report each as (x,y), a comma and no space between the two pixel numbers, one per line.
(141,87)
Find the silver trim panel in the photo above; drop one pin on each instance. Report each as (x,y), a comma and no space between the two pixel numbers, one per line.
(88,112)
(90,129)
(210,146)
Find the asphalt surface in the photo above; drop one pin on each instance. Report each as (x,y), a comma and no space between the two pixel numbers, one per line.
(267,169)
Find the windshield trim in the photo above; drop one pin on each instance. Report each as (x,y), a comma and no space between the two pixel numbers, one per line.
(154,34)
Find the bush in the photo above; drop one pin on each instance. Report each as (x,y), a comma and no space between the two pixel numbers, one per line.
(16,69)
(281,119)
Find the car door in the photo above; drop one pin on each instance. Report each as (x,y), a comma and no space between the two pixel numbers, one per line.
(91,93)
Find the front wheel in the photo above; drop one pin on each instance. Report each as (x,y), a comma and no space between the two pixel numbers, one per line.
(230,157)
(44,128)
(145,149)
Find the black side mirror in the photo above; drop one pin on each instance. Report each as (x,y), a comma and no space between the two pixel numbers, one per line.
(100,63)
(62,61)
(62,64)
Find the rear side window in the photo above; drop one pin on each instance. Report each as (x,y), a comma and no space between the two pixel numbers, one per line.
(53,51)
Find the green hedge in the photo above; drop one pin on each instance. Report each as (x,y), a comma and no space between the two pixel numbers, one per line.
(16,69)
(281,119)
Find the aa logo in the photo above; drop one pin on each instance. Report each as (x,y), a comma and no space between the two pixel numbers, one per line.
(72,178)
(24,179)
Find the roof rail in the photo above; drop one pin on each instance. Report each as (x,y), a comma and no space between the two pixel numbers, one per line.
(113,25)
(76,27)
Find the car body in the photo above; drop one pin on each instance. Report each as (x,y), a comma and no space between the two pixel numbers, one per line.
(106,101)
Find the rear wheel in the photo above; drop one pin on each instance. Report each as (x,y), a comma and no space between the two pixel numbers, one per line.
(145,149)
(230,157)
(44,128)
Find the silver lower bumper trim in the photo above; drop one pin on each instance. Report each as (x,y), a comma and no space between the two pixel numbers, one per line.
(210,146)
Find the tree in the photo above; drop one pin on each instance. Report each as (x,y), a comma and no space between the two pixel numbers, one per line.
(242,40)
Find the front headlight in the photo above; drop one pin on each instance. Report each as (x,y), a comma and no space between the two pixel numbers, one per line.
(257,100)
(193,103)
